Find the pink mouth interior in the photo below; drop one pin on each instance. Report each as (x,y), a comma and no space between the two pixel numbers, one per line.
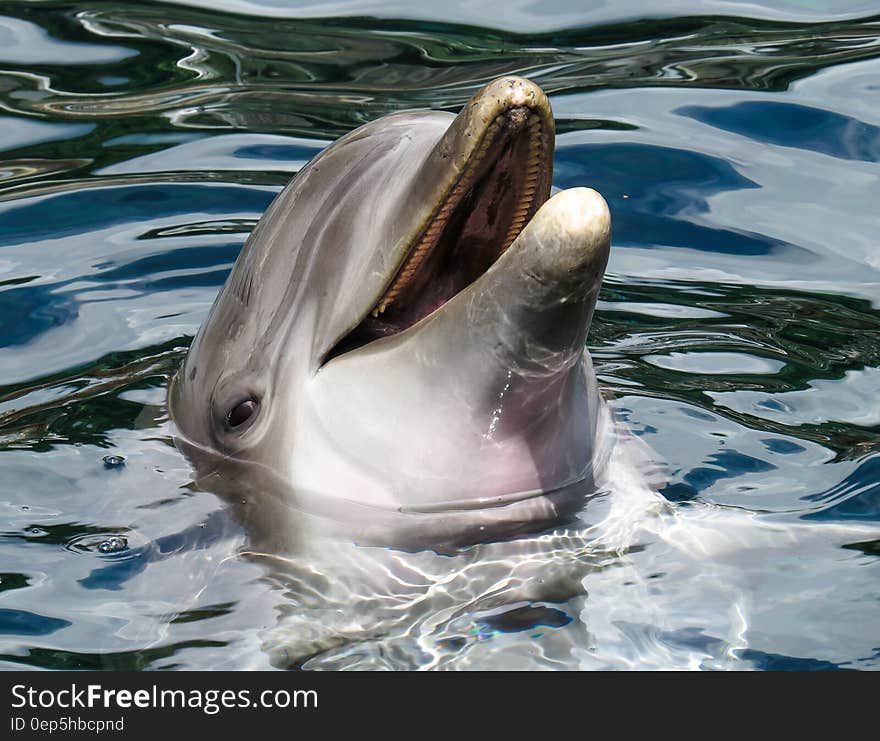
(479,229)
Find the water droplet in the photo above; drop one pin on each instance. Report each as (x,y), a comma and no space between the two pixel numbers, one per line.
(113,461)
(113,545)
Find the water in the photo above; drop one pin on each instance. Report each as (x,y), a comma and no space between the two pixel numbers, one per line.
(738,331)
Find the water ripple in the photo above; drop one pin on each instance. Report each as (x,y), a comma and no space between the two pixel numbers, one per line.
(738,328)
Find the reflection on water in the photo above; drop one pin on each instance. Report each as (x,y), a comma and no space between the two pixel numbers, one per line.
(738,330)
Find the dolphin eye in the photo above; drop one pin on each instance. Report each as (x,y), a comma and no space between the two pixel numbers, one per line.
(241,412)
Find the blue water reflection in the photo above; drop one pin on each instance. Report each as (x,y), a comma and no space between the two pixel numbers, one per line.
(792,125)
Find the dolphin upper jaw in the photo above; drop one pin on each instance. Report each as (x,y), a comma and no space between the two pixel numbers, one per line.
(486,176)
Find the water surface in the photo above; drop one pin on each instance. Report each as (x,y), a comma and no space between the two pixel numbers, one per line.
(738,330)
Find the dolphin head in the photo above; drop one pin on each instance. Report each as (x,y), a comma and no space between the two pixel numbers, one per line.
(404,330)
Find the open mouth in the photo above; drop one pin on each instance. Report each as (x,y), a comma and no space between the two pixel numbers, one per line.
(502,185)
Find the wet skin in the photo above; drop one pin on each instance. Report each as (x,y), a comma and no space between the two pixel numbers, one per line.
(397,356)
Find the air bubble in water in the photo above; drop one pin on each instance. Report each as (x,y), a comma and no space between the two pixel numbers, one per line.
(113,545)
(113,461)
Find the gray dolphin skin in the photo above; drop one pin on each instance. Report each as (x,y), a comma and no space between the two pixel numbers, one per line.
(398,355)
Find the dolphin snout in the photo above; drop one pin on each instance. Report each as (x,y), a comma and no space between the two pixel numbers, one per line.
(509,93)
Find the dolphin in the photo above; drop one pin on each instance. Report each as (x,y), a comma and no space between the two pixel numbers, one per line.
(393,391)
(397,357)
